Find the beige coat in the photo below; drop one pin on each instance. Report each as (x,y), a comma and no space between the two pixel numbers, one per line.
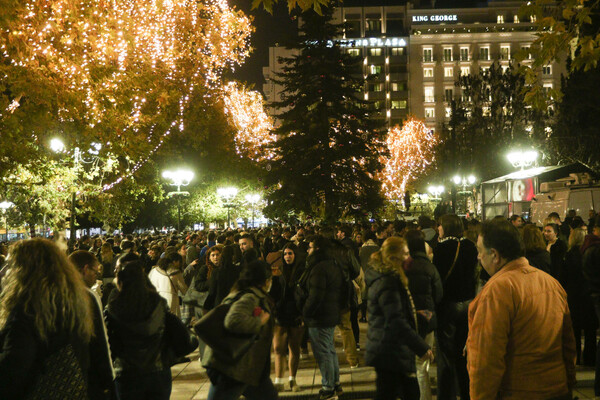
(521,343)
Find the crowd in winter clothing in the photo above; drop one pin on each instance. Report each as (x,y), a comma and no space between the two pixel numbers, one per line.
(419,285)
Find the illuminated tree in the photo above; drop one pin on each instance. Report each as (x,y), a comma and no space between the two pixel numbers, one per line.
(411,152)
(245,111)
(121,73)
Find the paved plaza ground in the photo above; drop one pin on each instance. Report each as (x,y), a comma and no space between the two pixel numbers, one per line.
(190,380)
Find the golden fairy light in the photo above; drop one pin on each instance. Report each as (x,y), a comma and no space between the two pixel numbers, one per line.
(137,62)
(245,110)
(411,151)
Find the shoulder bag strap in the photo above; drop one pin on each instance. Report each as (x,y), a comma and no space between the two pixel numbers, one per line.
(453,262)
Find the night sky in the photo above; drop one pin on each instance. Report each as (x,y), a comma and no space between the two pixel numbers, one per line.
(271,29)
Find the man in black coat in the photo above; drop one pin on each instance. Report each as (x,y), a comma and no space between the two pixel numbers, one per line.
(321,313)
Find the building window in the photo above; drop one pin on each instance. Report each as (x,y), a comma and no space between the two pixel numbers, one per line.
(429,112)
(373,27)
(448,54)
(464,54)
(448,112)
(547,87)
(352,29)
(375,69)
(399,104)
(527,50)
(484,53)
(376,87)
(448,95)
(428,72)
(465,70)
(394,27)
(505,52)
(484,70)
(547,70)
(398,86)
(428,55)
(516,19)
(504,68)
(375,52)
(397,51)
(533,18)
(354,52)
(448,72)
(429,95)
(500,19)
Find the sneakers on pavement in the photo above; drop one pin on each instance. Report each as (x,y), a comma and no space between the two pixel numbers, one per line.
(327,395)
(338,389)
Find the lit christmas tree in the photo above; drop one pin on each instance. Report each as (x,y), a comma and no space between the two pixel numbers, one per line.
(411,151)
(245,110)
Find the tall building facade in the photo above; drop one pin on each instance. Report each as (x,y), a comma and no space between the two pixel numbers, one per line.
(417,52)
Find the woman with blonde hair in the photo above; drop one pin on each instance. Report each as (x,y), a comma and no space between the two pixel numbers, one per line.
(392,339)
(535,248)
(52,343)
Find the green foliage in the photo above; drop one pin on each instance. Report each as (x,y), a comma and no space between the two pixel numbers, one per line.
(328,146)
(565,28)
(489,119)
(574,135)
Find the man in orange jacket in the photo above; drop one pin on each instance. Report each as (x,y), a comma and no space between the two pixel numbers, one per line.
(521,344)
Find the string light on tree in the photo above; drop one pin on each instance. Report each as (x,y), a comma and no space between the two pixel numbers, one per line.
(127,69)
(410,153)
(245,110)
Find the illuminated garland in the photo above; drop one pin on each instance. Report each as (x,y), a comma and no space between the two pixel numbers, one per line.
(410,153)
(245,110)
(127,60)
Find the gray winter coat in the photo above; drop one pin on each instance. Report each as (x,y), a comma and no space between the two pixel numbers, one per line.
(240,319)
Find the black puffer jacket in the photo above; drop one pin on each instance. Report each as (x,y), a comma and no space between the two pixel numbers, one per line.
(325,287)
(426,288)
(137,345)
(392,340)
(461,284)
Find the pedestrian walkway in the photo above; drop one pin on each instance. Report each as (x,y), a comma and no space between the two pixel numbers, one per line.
(191,383)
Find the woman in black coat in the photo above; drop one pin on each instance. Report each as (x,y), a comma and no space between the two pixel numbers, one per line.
(455,258)
(289,327)
(145,338)
(392,339)
(52,342)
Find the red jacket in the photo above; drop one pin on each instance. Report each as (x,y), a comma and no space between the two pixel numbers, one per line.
(521,343)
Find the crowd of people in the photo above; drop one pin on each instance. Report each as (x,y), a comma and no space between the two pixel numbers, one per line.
(508,308)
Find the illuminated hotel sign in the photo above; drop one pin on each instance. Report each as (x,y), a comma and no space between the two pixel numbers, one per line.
(372,42)
(435,18)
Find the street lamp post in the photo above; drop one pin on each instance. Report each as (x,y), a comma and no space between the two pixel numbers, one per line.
(522,159)
(252,199)
(5,205)
(228,194)
(178,178)
(464,181)
(57,146)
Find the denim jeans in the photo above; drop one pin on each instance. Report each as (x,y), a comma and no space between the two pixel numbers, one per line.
(323,346)
(223,387)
